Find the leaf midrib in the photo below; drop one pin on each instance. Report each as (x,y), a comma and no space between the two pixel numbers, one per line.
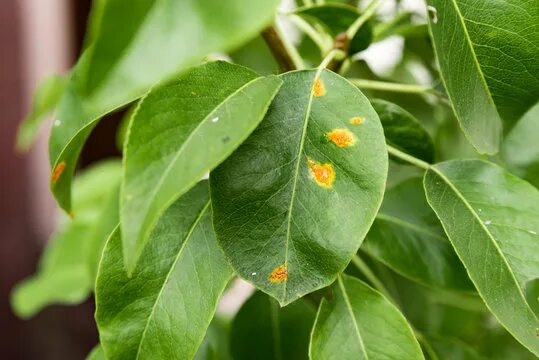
(351,312)
(172,266)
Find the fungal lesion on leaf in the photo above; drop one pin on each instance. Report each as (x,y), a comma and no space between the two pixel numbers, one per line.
(58,170)
(318,88)
(279,274)
(342,137)
(323,174)
(357,120)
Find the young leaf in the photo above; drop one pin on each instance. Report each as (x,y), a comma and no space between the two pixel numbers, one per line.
(487,53)
(67,268)
(45,99)
(294,202)
(520,149)
(359,323)
(163,310)
(153,40)
(492,220)
(407,237)
(337,18)
(403,131)
(181,131)
(263,330)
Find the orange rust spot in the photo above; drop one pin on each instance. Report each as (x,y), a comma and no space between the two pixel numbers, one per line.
(323,174)
(342,137)
(279,274)
(318,88)
(357,120)
(58,170)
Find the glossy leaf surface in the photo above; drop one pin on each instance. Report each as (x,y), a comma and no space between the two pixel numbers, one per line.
(359,323)
(67,268)
(487,52)
(407,237)
(263,330)
(45,98)
(163,310)
(294,202)
(403,131)
(492,220)
(96,354)
(181,131)
(153,40)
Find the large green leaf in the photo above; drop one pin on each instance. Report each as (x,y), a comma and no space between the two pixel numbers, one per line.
(359,323)
(492,220)
(262,330)
(407,237)
(520,149)
(181,131)
(96,353)
(68,266)
(163,310)
(135,46)
(294,202)
(46,96)
(403,131)
(487,52)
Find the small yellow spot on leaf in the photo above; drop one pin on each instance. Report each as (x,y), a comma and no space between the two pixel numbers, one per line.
(342,137)
(323,174)
(318,88)
(58,170)
(357,120)
(279,274)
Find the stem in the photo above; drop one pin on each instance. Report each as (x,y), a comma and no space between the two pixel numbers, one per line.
(311,32)
(334,54)
(390,86)
(408,158)
(285,54)
(370,10)
(365,270)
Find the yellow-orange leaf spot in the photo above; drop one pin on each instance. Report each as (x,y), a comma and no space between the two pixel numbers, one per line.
(323,174)
(318,88)
(279,274)
(58,170)
(342,137)
(357,120)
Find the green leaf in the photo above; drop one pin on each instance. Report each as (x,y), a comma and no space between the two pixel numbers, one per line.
(215,345)
(402,24)
(487,53)
(46,96)
(152,41)
(181,131)
(163,310)
(453,349)
(520,149)
(263,330)
(257,56)
(291,207)
(67,268)
(492,220)
(359,323)
(407,237)
(96,353)
(337,18)
(403,131)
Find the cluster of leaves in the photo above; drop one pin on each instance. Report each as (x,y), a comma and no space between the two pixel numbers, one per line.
(419,254)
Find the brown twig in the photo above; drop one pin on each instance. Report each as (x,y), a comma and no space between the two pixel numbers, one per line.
(278,49)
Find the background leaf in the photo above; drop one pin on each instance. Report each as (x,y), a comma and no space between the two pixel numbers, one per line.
(291,206)
(263,330)
(492,220)
(407,237)
(359,323)
(164,308)
(487,52)
(153,40)
(181,131)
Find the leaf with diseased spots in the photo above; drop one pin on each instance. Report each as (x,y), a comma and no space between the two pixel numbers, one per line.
(179,132)
(487,52)
(263,330)
(294,202)
(492,220)
(164,309)
(134,46)
(360,323)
